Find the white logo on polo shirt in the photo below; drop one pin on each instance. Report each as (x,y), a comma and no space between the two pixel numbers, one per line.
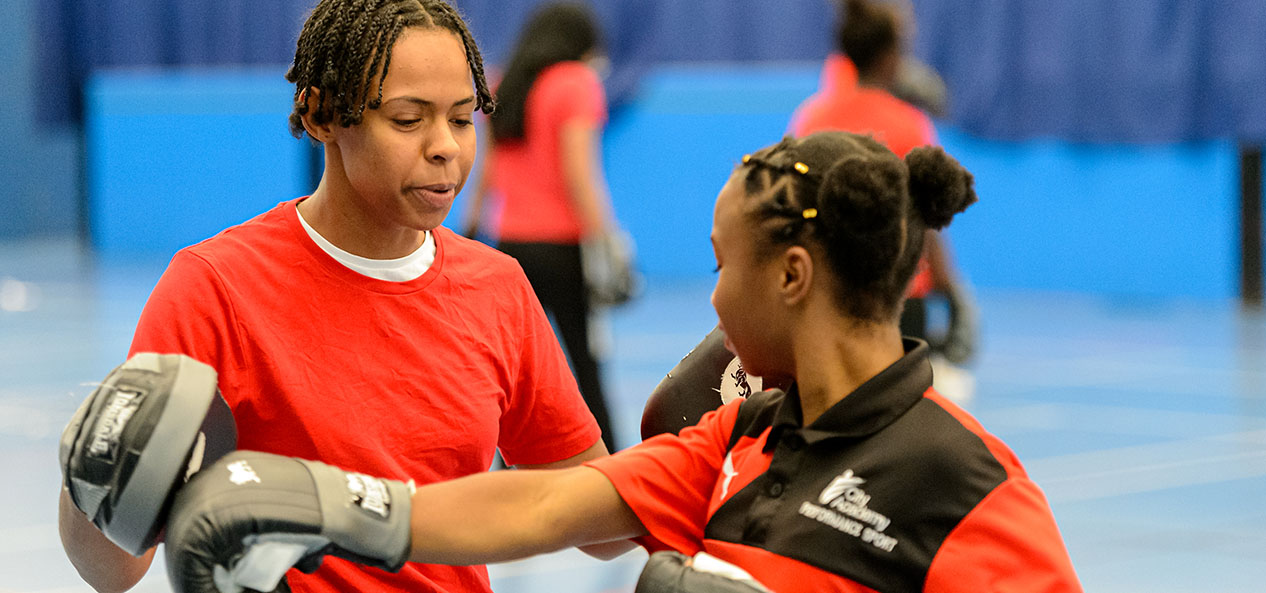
(727,468)
(843,506)
(845,482)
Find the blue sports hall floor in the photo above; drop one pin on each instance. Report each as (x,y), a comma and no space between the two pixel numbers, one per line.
(1143,420)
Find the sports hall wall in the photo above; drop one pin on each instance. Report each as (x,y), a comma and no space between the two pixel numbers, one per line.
(1104,140)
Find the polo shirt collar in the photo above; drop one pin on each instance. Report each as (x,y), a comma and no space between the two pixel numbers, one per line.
(869,408)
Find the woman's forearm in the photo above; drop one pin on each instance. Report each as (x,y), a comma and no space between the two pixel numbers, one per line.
(507,515)
(101,564)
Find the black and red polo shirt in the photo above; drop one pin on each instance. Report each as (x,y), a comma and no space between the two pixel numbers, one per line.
(893,489)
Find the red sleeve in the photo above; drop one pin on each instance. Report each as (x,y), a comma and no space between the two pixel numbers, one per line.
(1008,543)
(188,313)
(668,480)
(546,419)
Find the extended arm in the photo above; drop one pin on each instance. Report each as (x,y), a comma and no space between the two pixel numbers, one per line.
(251,516)
(601,551)
(507,515)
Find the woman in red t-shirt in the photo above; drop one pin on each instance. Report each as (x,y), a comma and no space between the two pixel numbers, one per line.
(543,171)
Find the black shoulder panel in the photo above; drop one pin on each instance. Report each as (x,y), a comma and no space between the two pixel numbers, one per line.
(875,509)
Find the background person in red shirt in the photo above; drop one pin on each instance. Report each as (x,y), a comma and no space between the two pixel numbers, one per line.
(856,96)
(860,477)
(543,170)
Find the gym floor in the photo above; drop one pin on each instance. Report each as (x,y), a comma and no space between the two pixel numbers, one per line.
(1143,420)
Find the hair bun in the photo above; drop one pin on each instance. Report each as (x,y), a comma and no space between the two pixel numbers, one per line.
(939,186)
(860,203)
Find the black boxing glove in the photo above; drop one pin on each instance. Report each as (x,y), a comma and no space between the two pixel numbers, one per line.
(673,572)
(708,377)
(246,520)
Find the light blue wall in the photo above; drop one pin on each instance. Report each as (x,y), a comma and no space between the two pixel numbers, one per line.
(1128,220)
(182,156)
(174,157)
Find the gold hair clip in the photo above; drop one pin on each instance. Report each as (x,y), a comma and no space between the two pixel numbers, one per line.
(809,212)
(747,158)
(802,169)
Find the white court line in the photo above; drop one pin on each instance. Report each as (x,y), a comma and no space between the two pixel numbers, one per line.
(1150,468)
(1033,371)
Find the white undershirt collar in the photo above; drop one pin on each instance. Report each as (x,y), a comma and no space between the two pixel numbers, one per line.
(402,269)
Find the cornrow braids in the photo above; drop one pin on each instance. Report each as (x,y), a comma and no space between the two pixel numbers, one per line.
(447,17)
(791,200)
(849,195)
(345,46)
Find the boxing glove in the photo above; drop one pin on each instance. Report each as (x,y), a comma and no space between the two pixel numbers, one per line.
(708,377)
(247,519)
(674,572)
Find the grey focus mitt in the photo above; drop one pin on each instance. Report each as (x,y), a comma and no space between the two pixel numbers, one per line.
(134,441)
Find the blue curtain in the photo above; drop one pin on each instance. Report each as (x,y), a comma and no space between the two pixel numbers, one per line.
(1078,70)
(77,37)
(1100,70)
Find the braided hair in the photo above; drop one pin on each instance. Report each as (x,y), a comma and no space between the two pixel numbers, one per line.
(866,207)
(345,47)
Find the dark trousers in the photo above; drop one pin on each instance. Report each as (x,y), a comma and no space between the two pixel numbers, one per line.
(557,278)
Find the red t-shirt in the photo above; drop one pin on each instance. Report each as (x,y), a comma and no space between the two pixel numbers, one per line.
(894,488)
(527,174)
(841,104)
(418,380)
